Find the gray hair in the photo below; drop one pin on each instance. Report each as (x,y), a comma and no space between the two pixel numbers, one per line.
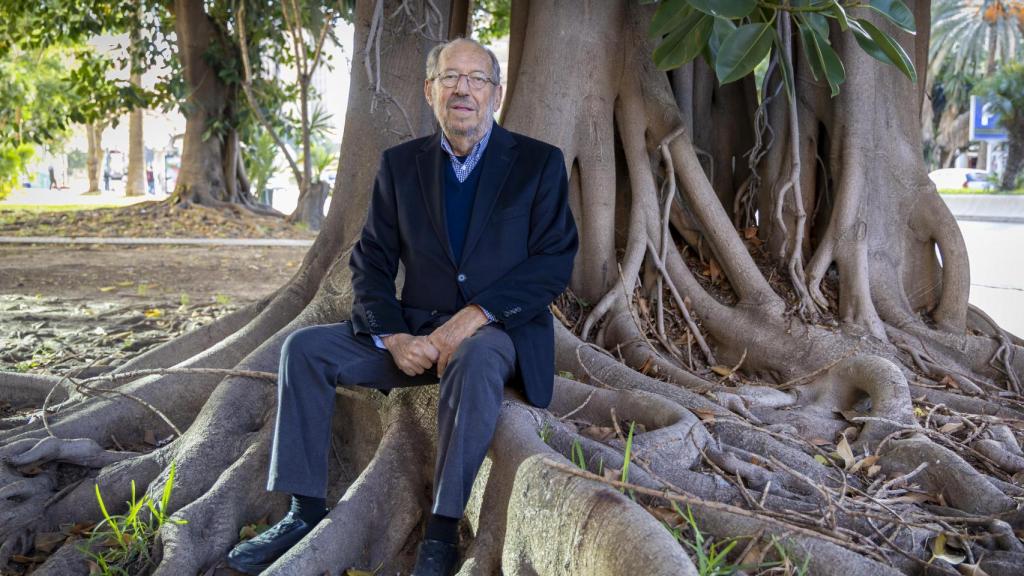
(435,56)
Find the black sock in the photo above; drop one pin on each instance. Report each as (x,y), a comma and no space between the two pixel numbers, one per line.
(310,509)
(443,528)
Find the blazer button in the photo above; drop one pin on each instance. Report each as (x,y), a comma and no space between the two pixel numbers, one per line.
(461,277)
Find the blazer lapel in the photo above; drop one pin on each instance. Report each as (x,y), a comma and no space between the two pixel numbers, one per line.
(497,161)
(428,164)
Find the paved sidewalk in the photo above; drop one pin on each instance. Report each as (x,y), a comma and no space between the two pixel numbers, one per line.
(986,207)
(164,241)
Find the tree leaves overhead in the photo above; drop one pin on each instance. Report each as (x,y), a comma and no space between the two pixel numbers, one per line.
(742,50)
(737,35)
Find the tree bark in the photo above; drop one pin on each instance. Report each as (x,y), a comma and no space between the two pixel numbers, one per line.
(94,160)
(135,185)
(896,373)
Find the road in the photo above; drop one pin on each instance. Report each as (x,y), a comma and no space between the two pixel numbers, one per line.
(996,252)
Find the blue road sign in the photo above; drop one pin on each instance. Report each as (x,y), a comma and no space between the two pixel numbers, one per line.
(985,121)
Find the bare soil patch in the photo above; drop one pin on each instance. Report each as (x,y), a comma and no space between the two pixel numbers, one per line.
(64,307)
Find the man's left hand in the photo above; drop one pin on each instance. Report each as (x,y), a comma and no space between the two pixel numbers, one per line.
(449,335)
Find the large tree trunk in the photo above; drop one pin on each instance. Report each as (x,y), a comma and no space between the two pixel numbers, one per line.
(1014,157)
(94,159)
(136,177)
(756,380)
(209,161)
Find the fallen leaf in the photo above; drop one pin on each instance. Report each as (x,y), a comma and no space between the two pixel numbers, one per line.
(750,232)
(706,416)
(865,462)
(647,365)
(845,452)
(666,515)
(27,559)
(950,427)
(723,371)
(714,271)
(941,551)
(49,541)
(612,473)
(108,288)
(819,442)
(872,470)
(153,313)
(821,459)
(949,382)
(354,572)
(599,433)
(971,570)
(149,437)
(919,412)
(125,283)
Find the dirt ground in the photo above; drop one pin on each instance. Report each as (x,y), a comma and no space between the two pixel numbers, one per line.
(65,306)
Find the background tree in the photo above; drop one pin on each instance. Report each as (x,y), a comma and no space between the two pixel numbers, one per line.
(853,413)
(1005,90)
(969,39)
(135,179)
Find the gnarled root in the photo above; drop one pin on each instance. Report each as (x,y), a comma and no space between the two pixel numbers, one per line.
(547,505)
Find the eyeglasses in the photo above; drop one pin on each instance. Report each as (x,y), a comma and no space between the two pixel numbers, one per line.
(476,81)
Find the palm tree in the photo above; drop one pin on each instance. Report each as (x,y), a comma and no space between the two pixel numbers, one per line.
(968,38)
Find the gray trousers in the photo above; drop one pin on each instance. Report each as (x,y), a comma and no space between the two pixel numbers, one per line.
(316,359)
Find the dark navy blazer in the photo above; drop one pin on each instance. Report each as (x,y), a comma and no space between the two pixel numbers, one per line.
(517,258)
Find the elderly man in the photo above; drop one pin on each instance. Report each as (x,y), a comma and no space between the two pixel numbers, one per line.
(479,218)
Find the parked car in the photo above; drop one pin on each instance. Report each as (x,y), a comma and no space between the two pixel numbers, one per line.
(971,178)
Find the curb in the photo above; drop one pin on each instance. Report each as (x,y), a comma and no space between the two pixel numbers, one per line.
(155,241)
(986,207)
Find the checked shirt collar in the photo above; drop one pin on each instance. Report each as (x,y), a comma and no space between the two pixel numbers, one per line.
(463,169)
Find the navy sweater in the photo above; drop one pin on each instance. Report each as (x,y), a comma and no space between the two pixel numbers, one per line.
(458,204)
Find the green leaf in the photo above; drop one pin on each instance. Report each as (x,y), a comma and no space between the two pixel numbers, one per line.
(896,11)
(670,15)
(685,43)
(726,8)
(823,59)
(839,13)
(818,22)
(722,29)
(742,51)
(882,47)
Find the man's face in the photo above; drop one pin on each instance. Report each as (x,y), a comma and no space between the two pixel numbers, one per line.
(462,110)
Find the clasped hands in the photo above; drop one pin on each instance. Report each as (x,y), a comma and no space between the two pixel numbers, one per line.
(414,355)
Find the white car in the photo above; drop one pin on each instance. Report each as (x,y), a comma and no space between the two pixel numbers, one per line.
(971,178)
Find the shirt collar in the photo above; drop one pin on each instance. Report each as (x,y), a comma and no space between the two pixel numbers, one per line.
(475,153)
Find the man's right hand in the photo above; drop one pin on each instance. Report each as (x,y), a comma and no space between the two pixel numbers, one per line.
(413,355)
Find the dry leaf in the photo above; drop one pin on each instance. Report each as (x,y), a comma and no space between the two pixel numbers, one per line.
(666,515)
(971,570)
(821,459)
(723,371)
(644,307)
(750,232)
(49,541)
(154,313)
(819,442)
(950,427)
(108,288)
(941,551)
(706,416)
(866,462)
(949,382)
(599,433)
(845,452)
(149,437)
(612,473)
(27,559)
(647,365)
(354,572)
(872,470)
(714,272)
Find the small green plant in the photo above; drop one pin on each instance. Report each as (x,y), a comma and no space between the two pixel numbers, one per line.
(184,300)
(142,289)
(222,299)
(119,545)
(710,558)
(578,458)
(545,433)
(628,455)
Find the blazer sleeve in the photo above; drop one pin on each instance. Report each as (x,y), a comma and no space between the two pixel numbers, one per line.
(374,263)
(527,289)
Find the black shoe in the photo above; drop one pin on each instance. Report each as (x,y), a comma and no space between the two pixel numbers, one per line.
(436,558)
(255,555)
